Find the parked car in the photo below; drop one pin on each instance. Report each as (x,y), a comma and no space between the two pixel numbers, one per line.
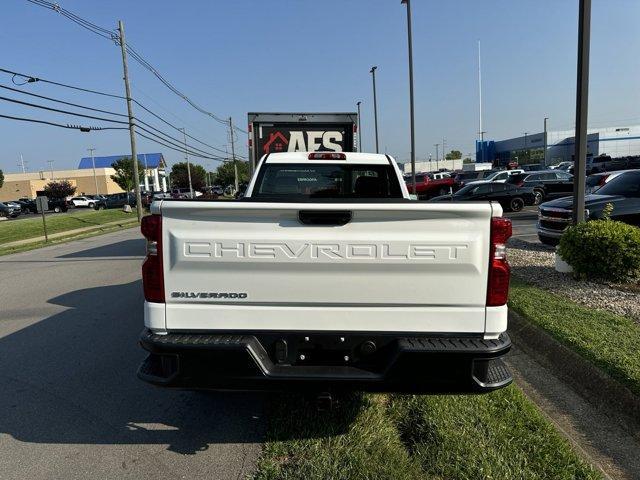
(184,193)
(499,176)
(510,196)
(17,208)
(119,200)
(217,189)
(24,206)
(532,167)
(623,193)
(462,178)
(561,166)
(83,201)
(597,180)
(100,201)
(546,185)
(7,211)
(430,184)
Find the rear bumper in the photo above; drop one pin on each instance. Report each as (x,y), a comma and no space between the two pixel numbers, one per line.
(322,361)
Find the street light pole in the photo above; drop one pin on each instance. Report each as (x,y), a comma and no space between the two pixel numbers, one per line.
(93,162)
(186,158)
(525,144)
(375,104)
(359,128)
(582,103)
(413,138)
(436,145)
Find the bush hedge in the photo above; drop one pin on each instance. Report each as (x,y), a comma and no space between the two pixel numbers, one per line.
(602,249)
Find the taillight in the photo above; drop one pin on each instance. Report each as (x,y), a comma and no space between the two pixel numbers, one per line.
(152,274)
(603,180)
(499,270)
(520,183)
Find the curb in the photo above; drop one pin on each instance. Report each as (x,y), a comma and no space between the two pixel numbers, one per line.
(598,388)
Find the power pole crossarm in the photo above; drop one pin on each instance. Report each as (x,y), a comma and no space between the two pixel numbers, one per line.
(132,133)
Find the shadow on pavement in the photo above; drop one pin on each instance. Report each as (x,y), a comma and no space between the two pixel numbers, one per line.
(125,248)
(71,378)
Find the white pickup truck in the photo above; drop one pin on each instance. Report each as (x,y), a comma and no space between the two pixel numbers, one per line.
(326,276)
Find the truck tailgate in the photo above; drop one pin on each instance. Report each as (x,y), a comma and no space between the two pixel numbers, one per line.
(401,267)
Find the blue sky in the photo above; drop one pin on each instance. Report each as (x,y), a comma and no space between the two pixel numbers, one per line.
(232,57)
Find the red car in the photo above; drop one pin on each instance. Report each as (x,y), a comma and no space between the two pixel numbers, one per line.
(431,184)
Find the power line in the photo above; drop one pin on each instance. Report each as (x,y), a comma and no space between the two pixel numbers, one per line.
(74,127)
(35,105)
(62,101)
(110,35)
(181,150)
(90,108)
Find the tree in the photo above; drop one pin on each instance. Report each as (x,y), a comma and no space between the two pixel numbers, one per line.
(467,160)
(60,189)
(1,178)
(124,173)
(225,173)
(180,176)
(453,155)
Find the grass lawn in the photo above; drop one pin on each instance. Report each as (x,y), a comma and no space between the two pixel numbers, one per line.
(13,230)
(610,341)
(494,436)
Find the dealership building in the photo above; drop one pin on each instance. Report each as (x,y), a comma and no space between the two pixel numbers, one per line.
(559,146)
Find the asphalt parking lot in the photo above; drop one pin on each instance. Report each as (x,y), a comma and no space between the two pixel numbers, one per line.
(524,224)
(71,405)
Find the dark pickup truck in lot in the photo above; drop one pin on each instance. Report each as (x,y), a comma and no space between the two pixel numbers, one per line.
(623,193)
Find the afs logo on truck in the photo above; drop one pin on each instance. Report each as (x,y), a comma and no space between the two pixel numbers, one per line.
(303,141)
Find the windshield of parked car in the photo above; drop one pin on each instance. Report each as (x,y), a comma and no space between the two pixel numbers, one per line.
(298,181)
(627,184)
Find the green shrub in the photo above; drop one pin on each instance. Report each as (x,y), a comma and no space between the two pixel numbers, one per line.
(602,249)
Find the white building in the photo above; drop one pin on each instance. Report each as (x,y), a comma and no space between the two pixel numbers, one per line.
(155,175)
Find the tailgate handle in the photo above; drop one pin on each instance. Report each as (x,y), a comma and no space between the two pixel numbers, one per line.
(325,217)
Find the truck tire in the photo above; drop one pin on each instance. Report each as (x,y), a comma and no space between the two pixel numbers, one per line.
(516,204)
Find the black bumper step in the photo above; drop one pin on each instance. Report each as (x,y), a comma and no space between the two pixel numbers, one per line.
(421,364)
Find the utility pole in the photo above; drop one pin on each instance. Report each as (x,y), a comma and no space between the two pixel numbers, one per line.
(132,132)
(480,132)
(525,145)
(436,145)
(186,159)
(375,104)
(413,137)
(50,162)
(444,152)
(582,104)
(233,156)
(544,160)
(359,128)
(93,163)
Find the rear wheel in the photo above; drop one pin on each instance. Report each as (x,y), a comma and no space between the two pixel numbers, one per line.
(538,196)
(57,209)
(91,204)
(516,204)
